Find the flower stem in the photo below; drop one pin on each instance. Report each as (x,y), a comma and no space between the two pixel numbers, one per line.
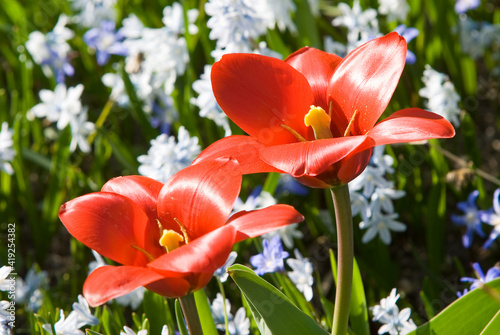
(342,204)
(188,306)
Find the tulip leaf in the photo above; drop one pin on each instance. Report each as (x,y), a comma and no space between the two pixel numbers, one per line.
(205,313)
(474,313)
(358,313)
(180,318)
(493,326)
(91,332)
(273,312)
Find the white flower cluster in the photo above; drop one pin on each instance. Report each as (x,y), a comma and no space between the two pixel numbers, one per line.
(93,12)
(156,58)
(362,26)
(395,322)
(63,106)
(237,325)
(7,152)
(396,10)
(441,94)
(371,197)
(167,157)
(51,50)
(478,38)
(77,318)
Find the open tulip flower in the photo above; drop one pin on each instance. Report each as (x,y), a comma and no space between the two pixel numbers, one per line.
(169,237)
(314,115)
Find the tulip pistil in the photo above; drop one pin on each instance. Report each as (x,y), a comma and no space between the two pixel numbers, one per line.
(170,239)
(319,120)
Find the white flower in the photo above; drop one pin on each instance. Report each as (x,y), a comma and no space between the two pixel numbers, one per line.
(382,199)
(130,331)
(233,22)
(396,10)
(166,156)
(206,101)
(7,152)
(173,18)
(381,224)
(371,178)
(361,25)
(256,200)
(221,272)
(276,13)
(51,50)
(65,326)
(29,290)
(301,275)
(84,316)
(4,282)
(359,205)
(239,325)
(133,299)
(80,131)
(61,105)
(4,304)
(381,161)
(395,322)
(164,330)
(93,12)
(441,95)
(287,234)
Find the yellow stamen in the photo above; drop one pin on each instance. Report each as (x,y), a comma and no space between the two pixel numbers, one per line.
(294,133)
(349,126)
(183,230)
(147,254)
(171,240)
(319,120)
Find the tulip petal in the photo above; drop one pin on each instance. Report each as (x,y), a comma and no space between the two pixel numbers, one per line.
(261,93)
(310,158)
(105,222)
(244,149)
(410,125)
(200,196)
(318,67)
(365,81)
(109,282)
(262,221)
(144,192)
(202,256)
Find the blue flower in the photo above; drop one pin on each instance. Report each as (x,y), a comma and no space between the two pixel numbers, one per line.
(271,258)
(470,218)
(106,41)
(491,274)
(408,34)
(492,217)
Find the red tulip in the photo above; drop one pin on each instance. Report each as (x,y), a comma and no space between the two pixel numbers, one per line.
(313,115)
(170,238)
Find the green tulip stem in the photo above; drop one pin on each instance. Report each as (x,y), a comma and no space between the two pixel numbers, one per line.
(188,305)
(345,244)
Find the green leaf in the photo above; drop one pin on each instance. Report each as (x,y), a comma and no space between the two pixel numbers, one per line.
(471,314)
(91,332)
(180,318)
(205,313)
(137,107)
(272,310)
(493,326)
(358,313)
